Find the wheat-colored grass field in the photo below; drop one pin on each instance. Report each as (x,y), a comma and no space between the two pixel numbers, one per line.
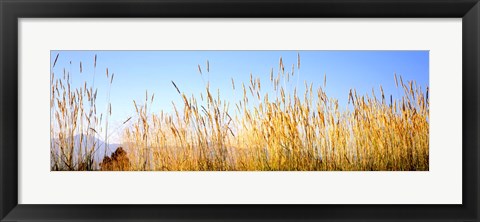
(286,127)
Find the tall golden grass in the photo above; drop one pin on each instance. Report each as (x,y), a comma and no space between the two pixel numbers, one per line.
(73,114)
(284,128)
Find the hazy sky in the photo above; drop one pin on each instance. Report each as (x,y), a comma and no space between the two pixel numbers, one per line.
(138,71)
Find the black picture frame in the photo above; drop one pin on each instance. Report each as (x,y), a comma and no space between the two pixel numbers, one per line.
(11,11)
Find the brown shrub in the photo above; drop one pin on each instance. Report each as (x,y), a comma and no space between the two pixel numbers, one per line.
(117,161)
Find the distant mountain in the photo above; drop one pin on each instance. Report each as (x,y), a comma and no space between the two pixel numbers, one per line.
(89,141)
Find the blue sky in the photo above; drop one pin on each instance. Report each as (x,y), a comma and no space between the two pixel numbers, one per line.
(138,71)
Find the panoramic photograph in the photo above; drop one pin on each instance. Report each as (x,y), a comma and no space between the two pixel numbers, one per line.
(239,110)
